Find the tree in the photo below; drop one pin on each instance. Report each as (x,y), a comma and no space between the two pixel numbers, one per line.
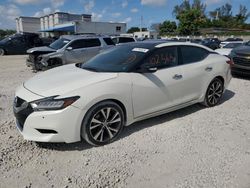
(136,29)
(4,33)
(191,17)
(167,27)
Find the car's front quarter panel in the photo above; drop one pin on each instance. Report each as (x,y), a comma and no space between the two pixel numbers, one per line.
(118,89)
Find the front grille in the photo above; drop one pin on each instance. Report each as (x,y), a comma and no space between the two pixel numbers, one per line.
(22,110)
(242,61)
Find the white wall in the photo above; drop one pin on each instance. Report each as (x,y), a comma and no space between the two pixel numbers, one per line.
(28,24)
(100,27)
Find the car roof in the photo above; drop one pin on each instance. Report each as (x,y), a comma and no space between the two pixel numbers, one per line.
(150,44)
(74,37)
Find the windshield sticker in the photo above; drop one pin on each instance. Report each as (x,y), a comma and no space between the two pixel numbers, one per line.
(143,50)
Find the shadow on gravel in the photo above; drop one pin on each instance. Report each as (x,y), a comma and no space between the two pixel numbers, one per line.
(136,126)
(65,147)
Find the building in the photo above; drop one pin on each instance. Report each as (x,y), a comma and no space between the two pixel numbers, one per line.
(146,34)
(60,23)
(27,24)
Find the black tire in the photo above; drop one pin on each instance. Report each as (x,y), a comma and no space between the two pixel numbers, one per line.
(103,123)
(2,52)
(214,93)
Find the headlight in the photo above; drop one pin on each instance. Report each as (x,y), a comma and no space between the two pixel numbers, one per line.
(51,103)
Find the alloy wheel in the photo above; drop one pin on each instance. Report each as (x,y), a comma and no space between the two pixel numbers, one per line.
(105,124)
(215,92)
(1,52)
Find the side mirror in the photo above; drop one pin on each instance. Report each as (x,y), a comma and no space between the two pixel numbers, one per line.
(69,48)
(147,69)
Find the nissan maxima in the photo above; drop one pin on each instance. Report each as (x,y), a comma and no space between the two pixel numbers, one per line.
(132,82)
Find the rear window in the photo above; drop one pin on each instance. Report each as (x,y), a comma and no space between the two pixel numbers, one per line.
(108,41)
(191,54)
(126,39)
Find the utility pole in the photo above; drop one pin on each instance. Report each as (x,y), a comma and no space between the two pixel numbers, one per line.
(141,24)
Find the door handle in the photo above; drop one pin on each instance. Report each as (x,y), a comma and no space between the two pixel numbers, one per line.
(208,69)
(177,77)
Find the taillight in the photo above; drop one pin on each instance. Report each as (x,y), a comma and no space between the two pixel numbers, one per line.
(230,62)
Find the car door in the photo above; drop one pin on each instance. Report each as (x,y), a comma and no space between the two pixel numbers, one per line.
(16,46)
(194,71)
(74,52)
(153,92)
(92,48)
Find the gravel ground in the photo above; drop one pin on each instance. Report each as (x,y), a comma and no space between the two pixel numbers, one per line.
(192,147)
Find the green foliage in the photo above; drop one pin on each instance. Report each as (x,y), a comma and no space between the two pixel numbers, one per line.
(167,28)
(4,33)
(135,29)
(191,17)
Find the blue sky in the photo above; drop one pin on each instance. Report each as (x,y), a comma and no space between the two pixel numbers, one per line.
(130,11)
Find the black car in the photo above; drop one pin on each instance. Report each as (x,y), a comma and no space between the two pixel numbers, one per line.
(241,59)
(19,43)
(212,43)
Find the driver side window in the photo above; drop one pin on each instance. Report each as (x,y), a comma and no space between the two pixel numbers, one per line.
(163,58)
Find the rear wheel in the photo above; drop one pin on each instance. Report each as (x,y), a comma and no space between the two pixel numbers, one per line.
(214,93)
(103,123)
(2,52)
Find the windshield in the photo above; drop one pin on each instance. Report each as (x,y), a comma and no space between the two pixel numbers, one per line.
(232,45)
(117,59)
(6,39)
(58,44)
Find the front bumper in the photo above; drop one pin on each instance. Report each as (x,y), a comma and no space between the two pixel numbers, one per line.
(238,69)
(49,126)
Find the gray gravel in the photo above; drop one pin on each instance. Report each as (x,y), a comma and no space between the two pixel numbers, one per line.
(192,147)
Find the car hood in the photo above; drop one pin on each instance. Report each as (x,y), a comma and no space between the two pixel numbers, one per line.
(242,50)
(61,80)
(40,49)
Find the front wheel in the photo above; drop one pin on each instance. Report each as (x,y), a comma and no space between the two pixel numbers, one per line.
(2,52)
(103,123)
(214,93)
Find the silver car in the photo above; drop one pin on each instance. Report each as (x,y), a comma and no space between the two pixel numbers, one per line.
(67,49)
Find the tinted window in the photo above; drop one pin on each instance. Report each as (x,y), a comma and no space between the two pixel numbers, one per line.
(85,43)
(164,57)
(118,59)
(58,44)
(192,54)
(126,39)
(108,41)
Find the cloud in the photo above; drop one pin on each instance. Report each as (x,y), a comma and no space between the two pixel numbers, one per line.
(124,4)
(128,19)
(88,6)
(45,11)
(134,10)
(25,2)
(154,2)
(57,3)
(116,14)
(96,16)
(8,15)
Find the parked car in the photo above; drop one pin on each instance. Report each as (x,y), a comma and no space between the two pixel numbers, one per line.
(230,40)
(226,50)
(197,41)
(122,39)
(19,43)
(123,85)
(212,43)
(67,49)
(241,59)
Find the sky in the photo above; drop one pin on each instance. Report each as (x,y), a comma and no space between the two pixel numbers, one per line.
(129,11)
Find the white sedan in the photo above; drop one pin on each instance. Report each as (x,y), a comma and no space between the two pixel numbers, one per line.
(120,86)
